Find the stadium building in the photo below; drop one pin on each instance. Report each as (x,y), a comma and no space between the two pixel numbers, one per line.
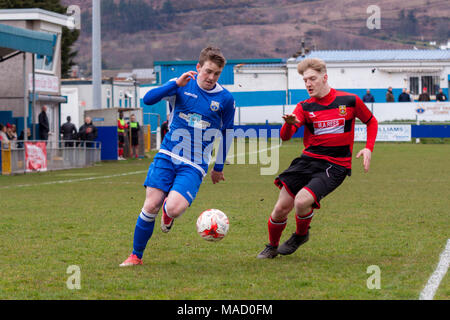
(116,93)
(31,37)
(265,89)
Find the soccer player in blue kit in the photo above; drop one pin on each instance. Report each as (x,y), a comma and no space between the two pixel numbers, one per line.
(200,110)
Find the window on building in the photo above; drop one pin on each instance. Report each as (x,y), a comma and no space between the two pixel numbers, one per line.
(414,85)
(45,63)
(417,83)
(431,83)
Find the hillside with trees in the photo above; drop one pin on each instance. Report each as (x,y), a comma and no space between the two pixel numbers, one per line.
(137,32)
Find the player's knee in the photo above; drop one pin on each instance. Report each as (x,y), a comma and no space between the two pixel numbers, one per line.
(302,205)
(280,211)
(151,206)
(173,209)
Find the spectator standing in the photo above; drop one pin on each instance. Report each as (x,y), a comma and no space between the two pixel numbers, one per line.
(88,132)
(44,127)
(3,136)
(69,132)
(368,97)
(441,96)
(12,134)
(121,126)
(390,95)
(22,138)
(134,129)
(404,97)
(424,96)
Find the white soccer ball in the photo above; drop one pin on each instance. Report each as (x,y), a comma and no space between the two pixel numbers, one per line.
(212,225)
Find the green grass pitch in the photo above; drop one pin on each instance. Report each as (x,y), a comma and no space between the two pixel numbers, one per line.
(395,217)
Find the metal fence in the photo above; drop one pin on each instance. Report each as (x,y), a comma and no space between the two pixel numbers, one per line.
(60,155)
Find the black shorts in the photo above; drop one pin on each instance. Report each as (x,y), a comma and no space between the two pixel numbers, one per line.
(317,176)
(121,138)
(134,141)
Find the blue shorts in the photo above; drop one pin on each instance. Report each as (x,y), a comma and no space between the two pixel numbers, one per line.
(165,175)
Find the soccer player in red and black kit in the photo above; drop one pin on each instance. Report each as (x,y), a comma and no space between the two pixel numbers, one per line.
(329,120)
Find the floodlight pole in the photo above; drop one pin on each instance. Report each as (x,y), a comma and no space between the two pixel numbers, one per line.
(25,97)
(96,56)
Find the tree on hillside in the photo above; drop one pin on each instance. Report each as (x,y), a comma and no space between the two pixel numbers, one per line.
(408,24)
(68,37)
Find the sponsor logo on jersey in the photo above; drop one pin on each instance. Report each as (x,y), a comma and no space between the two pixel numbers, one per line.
(191,95)
(195,120)
(342,110)
(329,126)
(214,105)
(312,115)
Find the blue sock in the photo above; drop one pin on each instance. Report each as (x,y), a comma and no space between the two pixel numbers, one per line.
(143,232)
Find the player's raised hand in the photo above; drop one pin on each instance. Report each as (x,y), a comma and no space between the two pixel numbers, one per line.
(367,155)
(185,78)
(216,176)
(290,118)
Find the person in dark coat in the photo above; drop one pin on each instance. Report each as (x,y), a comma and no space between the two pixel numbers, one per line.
(88,132)
(22,138)
(404,97)
(44,127)
(368,97)
(69,132)
(390,95)
(424,96)
(441,96)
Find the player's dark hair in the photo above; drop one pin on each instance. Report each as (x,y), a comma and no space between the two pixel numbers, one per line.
(212,54)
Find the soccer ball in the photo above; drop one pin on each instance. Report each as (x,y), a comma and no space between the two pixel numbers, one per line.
(212,225)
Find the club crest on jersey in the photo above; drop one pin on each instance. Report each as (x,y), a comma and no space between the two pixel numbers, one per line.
(343,110)
(214,105)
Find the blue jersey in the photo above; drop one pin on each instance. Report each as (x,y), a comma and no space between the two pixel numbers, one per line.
(197,116)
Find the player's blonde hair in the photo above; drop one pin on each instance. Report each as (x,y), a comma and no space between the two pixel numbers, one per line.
(312,63)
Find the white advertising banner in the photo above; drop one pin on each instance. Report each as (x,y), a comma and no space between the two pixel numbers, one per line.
(422,111)
(386,132)
(44,83)
(433,111)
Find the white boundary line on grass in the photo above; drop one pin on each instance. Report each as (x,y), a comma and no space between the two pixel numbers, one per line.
(254,152)
(433,283)
(73,180)
(103,177)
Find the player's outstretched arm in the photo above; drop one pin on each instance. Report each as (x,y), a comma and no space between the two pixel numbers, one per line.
(372,130)
(168,89)
(157,94)
(290,118)
(367,156)
(217,176)
(288,129)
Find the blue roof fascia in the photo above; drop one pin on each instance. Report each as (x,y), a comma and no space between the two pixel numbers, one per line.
(27,40)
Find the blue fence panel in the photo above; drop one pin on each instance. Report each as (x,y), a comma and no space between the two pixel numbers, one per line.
(430,131)
(254,131)
(109,139)
(417,131)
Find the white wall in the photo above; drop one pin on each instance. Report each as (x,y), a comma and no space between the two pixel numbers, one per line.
(359,75)
(395,111)
(71,108)
(249,80)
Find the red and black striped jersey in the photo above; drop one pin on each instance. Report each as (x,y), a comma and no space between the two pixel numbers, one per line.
(330,126)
